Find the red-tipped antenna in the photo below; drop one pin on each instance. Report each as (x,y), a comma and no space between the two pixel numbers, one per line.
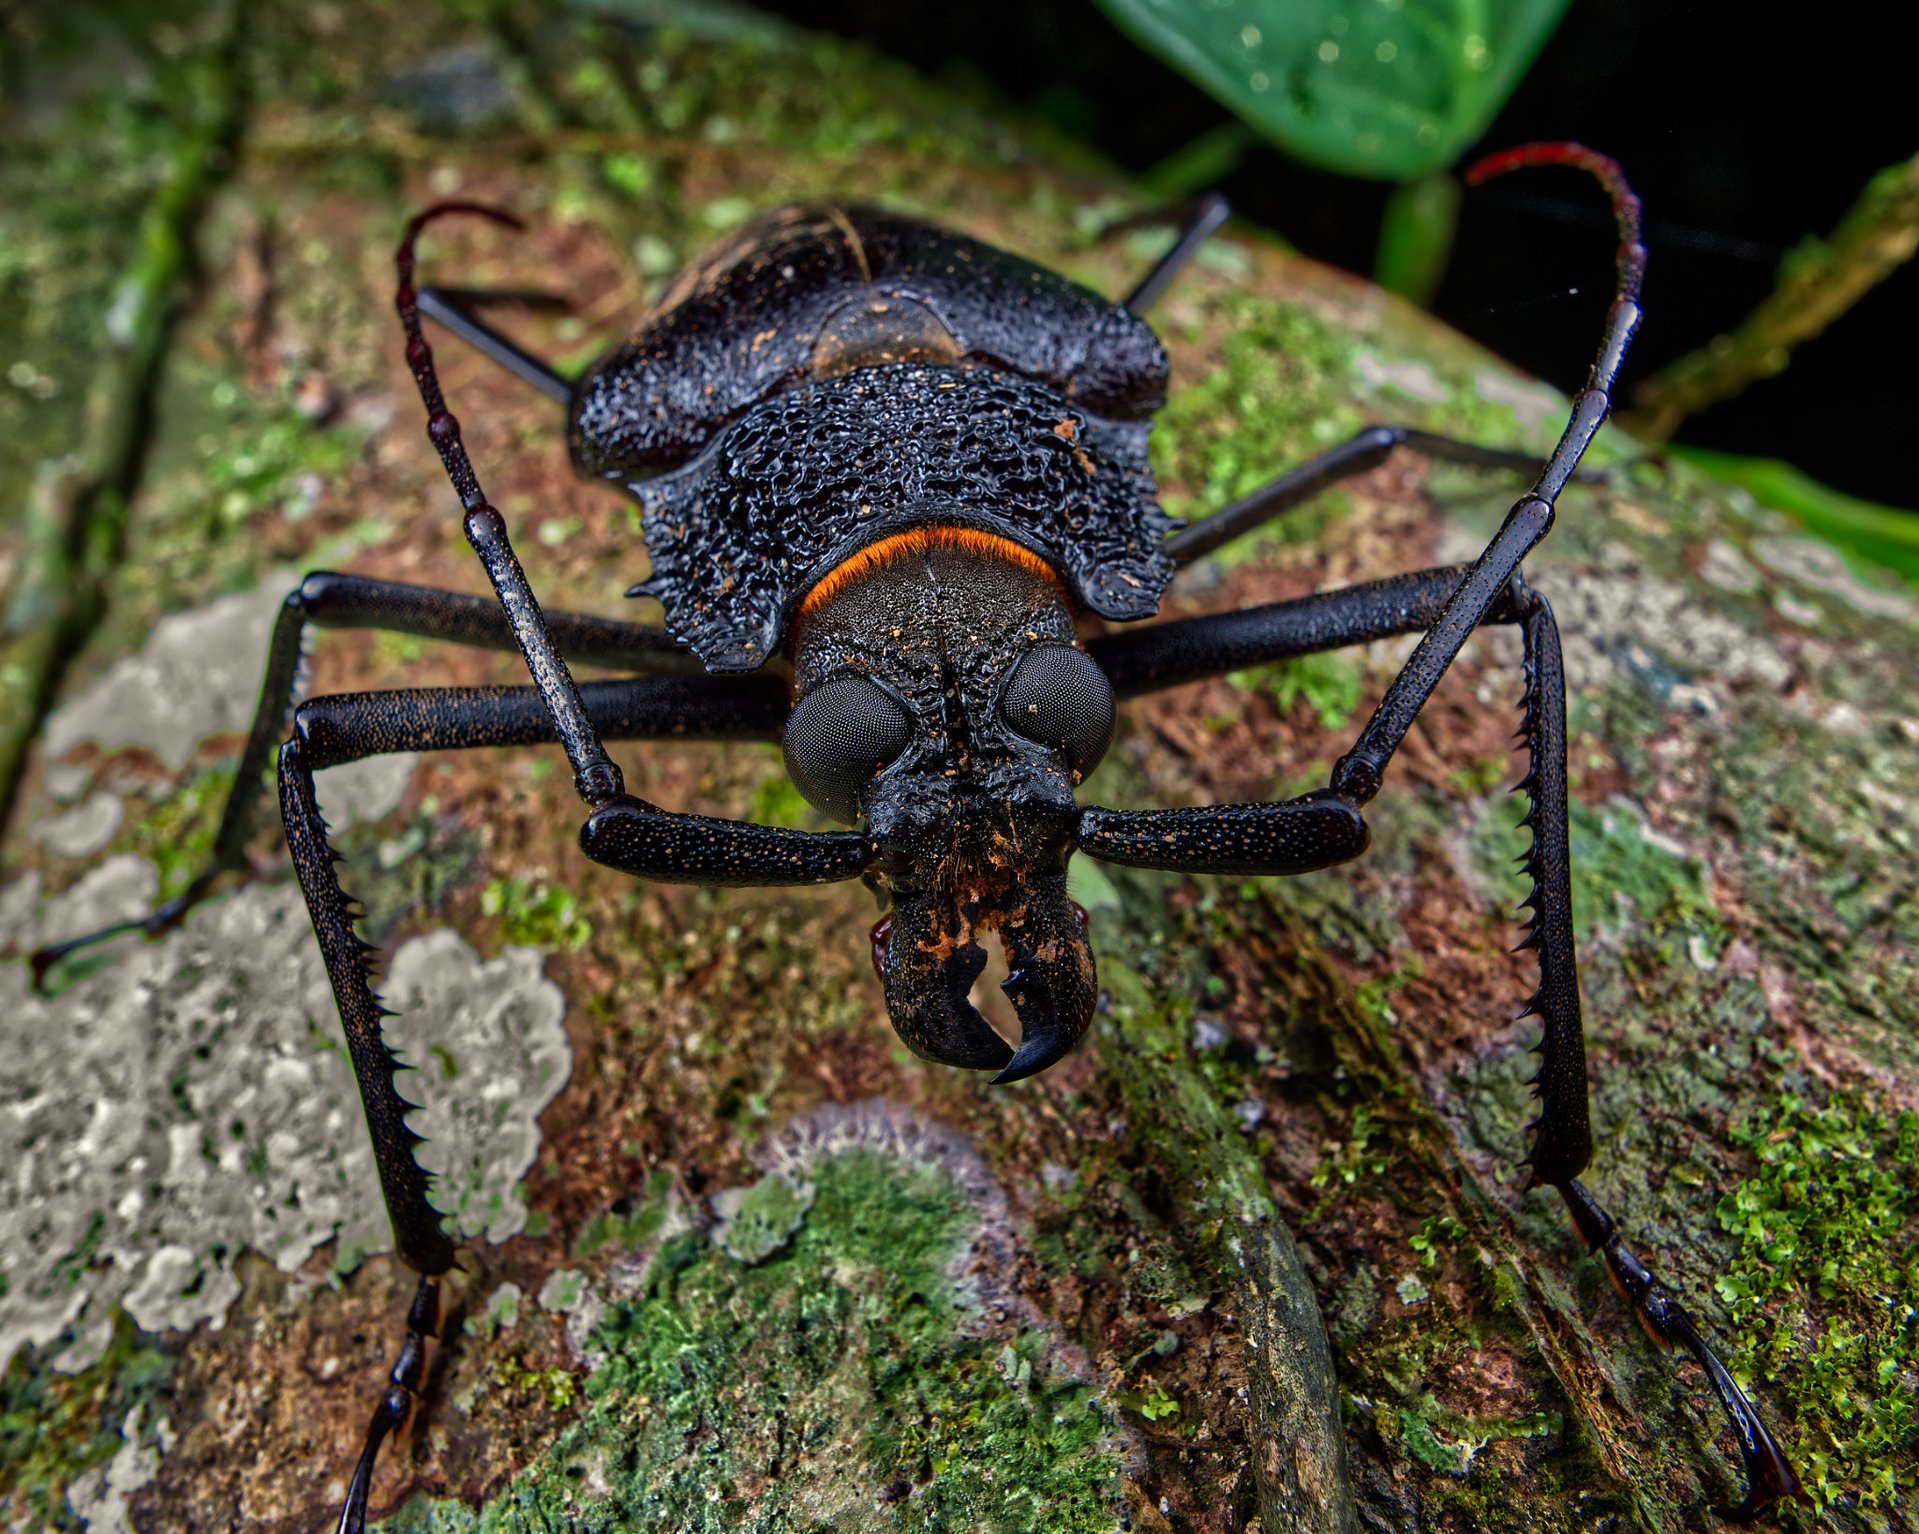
(441,425)
(1594,402)
(1603,169)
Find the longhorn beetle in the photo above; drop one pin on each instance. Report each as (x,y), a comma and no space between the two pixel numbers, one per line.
(847,431)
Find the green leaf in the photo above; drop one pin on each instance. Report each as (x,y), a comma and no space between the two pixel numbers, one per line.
(1088,884)
(1391,89)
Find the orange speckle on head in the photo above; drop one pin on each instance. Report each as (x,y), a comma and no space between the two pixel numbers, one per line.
(916,541)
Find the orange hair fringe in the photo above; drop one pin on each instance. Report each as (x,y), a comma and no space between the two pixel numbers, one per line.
(920,540)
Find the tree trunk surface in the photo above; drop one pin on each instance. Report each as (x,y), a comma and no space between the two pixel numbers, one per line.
(733,1258)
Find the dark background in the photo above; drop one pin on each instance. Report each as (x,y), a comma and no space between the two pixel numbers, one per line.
(1744,128)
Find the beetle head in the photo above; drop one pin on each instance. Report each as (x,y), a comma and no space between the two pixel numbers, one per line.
(943,705)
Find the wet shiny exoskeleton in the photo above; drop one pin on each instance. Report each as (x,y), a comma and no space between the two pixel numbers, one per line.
(885,473)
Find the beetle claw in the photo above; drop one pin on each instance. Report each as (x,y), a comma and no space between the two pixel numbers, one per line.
(1051,982)
(1035,1053)
(929,966)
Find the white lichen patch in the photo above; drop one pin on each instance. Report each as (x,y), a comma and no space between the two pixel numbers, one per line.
(359,792)
(885,1129)
(64,782)
(99,1497)
(1413,379)
(1821,567)
(191,1097)
(569,1293)
(83,830)
(1797,610)
(198,675)
(565,1289)
(489,1044)
(1725,567)
(1615,619)
(116,890)
(500,1313)
(1533,404)
(1656,629)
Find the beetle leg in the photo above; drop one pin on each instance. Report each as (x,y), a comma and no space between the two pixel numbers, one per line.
(417,1236)
(1562,1141)
(346,727)
(1769,1474)
(672,848)
(457,310)
(1314,831)
(329,600)
(1360,454)
(1151,656)
(1357,773)
(1167,654)
(1199,220)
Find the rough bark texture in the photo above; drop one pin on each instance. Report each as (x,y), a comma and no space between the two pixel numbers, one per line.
(764,1270)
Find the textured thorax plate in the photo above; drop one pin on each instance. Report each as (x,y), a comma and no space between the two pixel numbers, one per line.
(811,475)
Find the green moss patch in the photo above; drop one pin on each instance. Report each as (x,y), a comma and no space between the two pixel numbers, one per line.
(535,914)
(1329,685)
(55,1426)
(1275,393)
(1824,1293)
(847,1381)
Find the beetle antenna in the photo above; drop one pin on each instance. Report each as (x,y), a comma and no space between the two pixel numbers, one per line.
(1622,319)
(595,777)
(442,428)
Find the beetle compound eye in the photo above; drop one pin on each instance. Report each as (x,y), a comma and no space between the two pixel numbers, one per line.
(1059,697)
(838,736)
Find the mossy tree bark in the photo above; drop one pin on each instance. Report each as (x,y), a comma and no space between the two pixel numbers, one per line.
(778,1274)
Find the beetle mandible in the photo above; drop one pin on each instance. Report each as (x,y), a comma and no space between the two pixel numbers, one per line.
(911,464)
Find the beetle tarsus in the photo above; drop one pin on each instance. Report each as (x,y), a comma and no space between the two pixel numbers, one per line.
(161,919)
(1770,1477)
(396,1401)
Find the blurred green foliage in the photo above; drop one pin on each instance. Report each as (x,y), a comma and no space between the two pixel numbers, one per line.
(1391,89)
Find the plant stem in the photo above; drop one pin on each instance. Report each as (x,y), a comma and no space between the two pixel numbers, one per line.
(1818,282)
(1416,236)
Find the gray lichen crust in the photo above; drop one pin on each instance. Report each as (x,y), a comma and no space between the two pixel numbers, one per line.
(190,1098)
(198,675)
